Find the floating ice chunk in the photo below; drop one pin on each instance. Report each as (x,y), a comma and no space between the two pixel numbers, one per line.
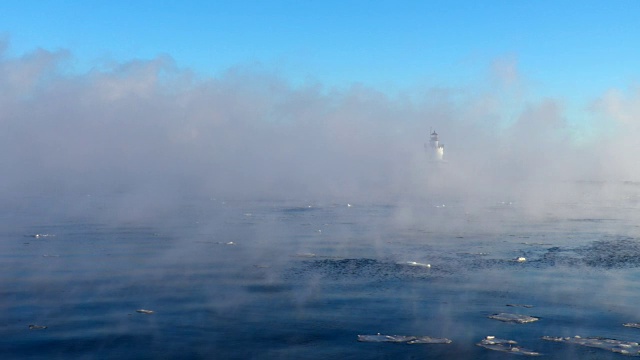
(144,311)
(516,318)
(40,236)
(616,346)
(520,259)
(509,346)
(374,338)
(632,325)
(429,340)
(414,263)
(37,327)
(385,338)
(558,338)
(403,339)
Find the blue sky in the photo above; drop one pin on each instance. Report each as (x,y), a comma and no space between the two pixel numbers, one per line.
(566,49)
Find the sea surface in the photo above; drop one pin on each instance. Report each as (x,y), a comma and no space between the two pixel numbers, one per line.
(301,279)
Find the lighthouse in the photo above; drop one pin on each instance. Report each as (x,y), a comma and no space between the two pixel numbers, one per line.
(434,148)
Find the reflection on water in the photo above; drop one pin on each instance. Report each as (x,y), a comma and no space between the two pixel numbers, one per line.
(224,279)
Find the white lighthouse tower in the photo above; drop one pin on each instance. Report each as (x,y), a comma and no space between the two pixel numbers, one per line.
(434,148)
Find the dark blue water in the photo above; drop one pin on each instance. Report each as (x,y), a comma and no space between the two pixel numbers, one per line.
(300,279)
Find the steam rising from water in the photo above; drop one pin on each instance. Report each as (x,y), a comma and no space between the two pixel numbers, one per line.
(152,130)
(147,140)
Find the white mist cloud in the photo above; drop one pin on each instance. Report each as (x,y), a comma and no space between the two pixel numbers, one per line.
(149,127)
(617,116)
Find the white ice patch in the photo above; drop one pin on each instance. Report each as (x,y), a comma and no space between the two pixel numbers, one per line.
(429,340)
(509,346)
(617,346)
(403,339)
(515,318)
(40,236)
(632,325)
(414,263)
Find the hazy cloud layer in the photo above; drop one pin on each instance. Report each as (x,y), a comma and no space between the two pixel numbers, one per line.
(149,127)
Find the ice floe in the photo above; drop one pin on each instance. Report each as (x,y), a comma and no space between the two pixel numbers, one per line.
(509,346)
(516,318)
(414,263)
(40,236)
(403,339)
(429,340)
(616,346)
(37,327)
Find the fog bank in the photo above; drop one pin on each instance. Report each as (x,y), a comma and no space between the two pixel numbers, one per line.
(151,128)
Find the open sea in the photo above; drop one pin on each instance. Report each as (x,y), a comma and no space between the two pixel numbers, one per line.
(301,279)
